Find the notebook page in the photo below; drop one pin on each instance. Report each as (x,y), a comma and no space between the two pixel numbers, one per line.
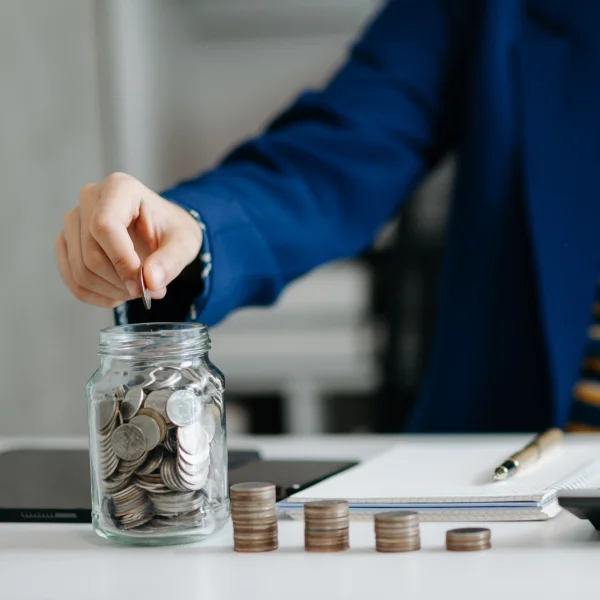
(455,473)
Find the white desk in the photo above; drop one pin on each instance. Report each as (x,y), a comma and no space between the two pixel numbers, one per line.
(548,560)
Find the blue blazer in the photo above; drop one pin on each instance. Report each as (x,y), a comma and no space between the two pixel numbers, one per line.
(512,88)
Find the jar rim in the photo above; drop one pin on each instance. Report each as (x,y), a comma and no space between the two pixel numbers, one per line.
(135,340)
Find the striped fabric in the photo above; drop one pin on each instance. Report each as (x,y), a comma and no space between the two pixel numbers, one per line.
(585,411)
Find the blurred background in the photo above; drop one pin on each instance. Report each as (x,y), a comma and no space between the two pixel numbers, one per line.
(161,89)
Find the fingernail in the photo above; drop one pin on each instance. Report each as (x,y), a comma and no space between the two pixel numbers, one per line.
(158,276)
(132,288)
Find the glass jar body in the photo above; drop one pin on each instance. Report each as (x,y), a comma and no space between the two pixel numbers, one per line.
(157,437)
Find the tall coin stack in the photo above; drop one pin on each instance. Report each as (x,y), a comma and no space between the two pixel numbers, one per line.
(254,517)
(397,531)
(468,539)
(326,526)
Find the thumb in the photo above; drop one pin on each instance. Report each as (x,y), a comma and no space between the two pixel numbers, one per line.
(166,263)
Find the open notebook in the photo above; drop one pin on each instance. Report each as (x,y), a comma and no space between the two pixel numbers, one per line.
(453,482)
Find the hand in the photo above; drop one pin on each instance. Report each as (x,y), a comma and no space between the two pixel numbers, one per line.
(119,225)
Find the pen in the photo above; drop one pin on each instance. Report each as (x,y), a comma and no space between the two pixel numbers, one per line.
(529,454)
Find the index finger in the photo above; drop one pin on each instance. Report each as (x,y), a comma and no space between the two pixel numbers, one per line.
(109,224)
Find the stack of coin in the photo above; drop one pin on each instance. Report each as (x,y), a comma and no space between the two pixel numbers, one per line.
(468,539)
(254,517)
(397,531)
(154,440)
(131,508)
(326,526)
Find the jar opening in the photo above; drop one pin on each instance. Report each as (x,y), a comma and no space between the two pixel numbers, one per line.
(141,340)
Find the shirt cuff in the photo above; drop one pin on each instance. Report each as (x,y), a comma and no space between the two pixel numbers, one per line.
(194,312)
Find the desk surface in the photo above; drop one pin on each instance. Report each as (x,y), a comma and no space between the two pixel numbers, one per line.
(543,559)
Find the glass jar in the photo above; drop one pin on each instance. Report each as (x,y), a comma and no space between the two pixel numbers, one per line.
(158,449)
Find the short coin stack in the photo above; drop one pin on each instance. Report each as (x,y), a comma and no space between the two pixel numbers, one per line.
(326,526)
(254,517)
(468,539)
(397,531)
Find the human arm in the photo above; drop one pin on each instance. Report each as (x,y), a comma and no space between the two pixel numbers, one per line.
(336,165)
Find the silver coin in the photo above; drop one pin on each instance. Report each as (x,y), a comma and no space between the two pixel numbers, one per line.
(157,401)
(191,459)
(193,482)
(132,402)
(192,469)
(170,442)
(183,408)
(112,486)
(153,461)
(169,474)
(150,428)
(145,296)
(193,439)
(106,411)
(128,442)
(107,469)
(119,393)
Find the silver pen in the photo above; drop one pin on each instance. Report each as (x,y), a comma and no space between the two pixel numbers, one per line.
(530,453)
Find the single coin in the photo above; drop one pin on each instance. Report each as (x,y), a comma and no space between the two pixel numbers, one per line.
(128,442)
(183,408)
(119,393)
(397,516)
(150,428)
(145,296)
(251,491)
(132,402)
(191,468)
(106,410)
(191,459)
(193,439)
(157,401)
(192,482)
(168,473)
(171,442)
(152,463)
(156,416)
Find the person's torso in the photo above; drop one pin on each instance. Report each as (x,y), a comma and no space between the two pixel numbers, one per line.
(522,252)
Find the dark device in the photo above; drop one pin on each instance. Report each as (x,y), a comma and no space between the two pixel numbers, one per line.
(289,476)
(54,485)
(584,504)
(39,485)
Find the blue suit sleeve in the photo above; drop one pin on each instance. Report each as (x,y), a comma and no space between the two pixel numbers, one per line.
(336,165)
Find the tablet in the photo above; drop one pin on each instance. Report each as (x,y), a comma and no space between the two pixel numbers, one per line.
(54,485)
(40,485)
(584,504)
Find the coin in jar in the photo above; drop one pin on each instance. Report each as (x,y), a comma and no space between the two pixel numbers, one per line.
(128,442)
(183,408)
(150,428)
(106,409)
(132,402)
(157,401)
(162,426)
(194,440)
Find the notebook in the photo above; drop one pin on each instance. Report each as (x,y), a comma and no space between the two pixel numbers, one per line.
(453,482)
